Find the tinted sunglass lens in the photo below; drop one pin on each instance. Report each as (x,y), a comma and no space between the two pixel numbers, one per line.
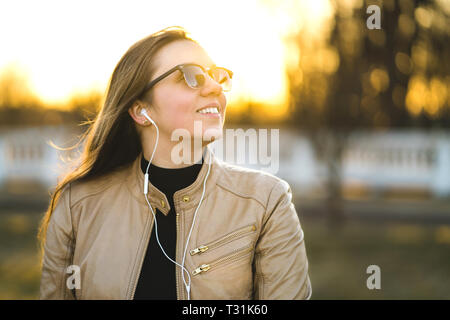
(222,77)
(194,76)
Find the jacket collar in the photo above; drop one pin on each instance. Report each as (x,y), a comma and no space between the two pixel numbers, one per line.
(185,198)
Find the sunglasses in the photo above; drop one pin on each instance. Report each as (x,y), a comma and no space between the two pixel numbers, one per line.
(195,76)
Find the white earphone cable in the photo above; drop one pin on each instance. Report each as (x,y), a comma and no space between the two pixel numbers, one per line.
(146,199)
(192,225)
(187,285)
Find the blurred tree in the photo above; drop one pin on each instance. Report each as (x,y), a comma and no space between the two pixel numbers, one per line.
(14,88)
(359,78)
(19,106)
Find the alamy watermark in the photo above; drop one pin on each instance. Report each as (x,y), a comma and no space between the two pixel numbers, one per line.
(261,146)
(74,280)
(374,280)
(374,20)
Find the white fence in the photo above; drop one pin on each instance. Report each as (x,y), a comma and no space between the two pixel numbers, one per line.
(400,159)
(394,159)
(26,154)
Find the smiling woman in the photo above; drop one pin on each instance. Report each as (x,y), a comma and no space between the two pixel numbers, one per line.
(227,232)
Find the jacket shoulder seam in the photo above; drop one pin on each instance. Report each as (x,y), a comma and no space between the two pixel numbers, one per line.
(241,195)
(93,193)
(270,194)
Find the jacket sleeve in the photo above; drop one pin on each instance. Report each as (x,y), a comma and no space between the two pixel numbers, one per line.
(280,261)
(58,250)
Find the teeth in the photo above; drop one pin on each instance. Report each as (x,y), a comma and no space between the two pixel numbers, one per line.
(209,110)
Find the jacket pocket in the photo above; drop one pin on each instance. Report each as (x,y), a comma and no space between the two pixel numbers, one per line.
(241,232)
(224,260)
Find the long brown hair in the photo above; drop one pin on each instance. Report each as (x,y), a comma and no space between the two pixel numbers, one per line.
(111,140)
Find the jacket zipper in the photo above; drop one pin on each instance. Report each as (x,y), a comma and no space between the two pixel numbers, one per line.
(147,236)
(177,274)
(226,258)
(219,242)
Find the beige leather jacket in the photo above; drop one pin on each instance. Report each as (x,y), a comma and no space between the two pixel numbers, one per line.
(247,241)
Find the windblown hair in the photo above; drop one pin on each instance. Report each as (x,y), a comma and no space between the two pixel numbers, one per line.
(111,140)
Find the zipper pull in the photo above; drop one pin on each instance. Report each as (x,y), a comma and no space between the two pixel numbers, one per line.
(198,250)
(202,268)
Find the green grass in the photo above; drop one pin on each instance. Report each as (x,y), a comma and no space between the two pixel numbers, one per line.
(19,259)
(414,259)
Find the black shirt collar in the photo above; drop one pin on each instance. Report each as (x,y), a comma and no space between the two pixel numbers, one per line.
(169,180)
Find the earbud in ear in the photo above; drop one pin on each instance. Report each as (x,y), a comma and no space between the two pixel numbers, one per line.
(144,113)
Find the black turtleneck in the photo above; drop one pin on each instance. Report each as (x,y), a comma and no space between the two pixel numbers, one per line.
(157,277)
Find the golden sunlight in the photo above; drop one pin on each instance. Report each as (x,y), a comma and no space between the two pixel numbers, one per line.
(69,49)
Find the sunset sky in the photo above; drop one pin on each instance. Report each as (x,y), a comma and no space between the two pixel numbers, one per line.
(65,48)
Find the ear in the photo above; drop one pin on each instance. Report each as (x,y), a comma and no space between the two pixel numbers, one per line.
(135,113)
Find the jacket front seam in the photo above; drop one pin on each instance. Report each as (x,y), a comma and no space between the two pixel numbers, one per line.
(73,244)
(68,247)
(134,278)
(66,264)
(180,218)
(259,276)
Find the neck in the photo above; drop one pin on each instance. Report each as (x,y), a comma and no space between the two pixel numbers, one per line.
(185,152)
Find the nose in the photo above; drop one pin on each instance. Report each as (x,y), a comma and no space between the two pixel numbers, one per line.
(211,86)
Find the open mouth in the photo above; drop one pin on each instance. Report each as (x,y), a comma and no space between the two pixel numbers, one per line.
(209,110)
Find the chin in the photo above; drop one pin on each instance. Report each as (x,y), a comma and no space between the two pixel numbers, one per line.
(212,134)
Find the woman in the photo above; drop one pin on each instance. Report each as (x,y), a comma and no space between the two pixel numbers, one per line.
(136,220)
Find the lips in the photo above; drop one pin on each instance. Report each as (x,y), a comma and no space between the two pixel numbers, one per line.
(210,105)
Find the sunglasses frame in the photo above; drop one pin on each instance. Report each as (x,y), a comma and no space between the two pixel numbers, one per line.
(180,67)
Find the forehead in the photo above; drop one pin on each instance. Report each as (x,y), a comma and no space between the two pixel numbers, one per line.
(178,52)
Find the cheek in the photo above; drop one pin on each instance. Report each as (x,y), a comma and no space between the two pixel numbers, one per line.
(182,116)
(223,101)
(176,111)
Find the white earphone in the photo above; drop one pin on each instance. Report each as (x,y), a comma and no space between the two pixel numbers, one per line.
(187,285)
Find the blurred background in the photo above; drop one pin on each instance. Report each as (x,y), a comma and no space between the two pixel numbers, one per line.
(363,118)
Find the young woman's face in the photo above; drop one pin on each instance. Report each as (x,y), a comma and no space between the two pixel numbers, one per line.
(174,104)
